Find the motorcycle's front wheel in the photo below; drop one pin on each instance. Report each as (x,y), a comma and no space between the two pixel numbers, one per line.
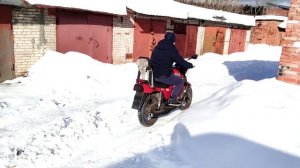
(149,107)
(187,98)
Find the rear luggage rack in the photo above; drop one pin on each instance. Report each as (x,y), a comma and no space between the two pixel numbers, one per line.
(145,71)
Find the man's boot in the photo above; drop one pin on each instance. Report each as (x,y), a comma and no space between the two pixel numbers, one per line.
(174,101)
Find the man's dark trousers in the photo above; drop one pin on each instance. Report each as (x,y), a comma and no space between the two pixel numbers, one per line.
(172,80)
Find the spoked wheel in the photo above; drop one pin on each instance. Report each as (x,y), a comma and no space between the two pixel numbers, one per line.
(148,109)
(187,99)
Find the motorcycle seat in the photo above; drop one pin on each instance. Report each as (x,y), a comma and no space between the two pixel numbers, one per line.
(160,85)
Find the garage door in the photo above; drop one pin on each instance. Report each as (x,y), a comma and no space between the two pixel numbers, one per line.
(186,39)
(85,32)
(6,44)
(147,34)
(214,40)
(237,40)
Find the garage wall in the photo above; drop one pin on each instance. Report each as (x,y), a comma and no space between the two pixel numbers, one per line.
(34,33)
(289,68)
(123,35)
(267,32)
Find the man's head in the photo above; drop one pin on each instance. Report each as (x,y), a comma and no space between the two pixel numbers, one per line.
(170,37)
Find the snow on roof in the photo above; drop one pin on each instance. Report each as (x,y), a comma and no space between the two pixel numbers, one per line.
(284,23)
(218,15)
(112,6)
(168,8)
(273,17)
(175,9)
(270,17)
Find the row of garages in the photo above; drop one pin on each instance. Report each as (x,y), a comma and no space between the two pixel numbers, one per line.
(112,34)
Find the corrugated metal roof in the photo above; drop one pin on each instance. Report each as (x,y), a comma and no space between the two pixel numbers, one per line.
(12,2)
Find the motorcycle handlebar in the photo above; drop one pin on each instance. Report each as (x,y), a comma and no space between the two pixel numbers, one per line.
(195,56)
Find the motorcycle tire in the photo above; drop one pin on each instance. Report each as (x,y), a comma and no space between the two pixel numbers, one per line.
(187,99)
(149,106)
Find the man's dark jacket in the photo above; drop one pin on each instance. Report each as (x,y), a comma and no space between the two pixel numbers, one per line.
(163,57)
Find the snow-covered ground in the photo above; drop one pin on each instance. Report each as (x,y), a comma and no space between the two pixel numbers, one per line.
(72,111)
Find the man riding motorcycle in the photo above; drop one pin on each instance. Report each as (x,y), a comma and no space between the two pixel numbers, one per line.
(162,59)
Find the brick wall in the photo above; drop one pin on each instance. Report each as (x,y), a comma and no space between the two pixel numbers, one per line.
(123,33)
(267,32)
(289,69)
(34,33)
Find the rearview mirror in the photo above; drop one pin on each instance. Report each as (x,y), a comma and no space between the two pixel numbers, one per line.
(195,56)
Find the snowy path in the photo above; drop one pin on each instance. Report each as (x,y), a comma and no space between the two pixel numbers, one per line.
(78,134)
(134,138)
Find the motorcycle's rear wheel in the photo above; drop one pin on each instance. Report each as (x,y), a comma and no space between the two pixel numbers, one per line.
(149,107)
(187,98)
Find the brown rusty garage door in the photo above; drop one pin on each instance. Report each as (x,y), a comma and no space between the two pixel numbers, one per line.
(214,39)
(237,40)
(6,44)
(180,31)
(147,33)
(87,33)
(186,39)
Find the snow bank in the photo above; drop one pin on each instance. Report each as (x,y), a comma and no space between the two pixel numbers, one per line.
(245,117)
(62,74)
(58,107)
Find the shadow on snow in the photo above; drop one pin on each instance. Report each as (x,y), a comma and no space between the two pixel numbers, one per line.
(252,70)
(212,150)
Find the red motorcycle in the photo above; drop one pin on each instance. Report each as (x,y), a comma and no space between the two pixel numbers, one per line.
(152,98)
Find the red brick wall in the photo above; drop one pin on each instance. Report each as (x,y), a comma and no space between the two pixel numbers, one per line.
(266,32)
(289,69)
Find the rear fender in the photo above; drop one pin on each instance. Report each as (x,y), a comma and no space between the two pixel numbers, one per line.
(147,88)
(138,100)
(143,87)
